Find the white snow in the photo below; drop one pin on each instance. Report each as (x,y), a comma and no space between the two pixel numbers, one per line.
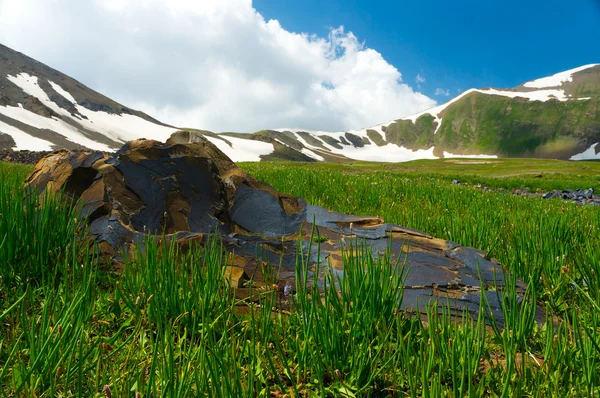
(588,154)
(379,128)
(372,152)
(537,95)
(24,140)
(437,110)
(304,142)
(361,133)
(123,127)
(120,128)
(311,154)
(62,92)
(29,84)
(242,150)
(387,153)
(450,155)
(56,125)
(557,79)
(392,153)
(314,133)
(439,124)
(307,151)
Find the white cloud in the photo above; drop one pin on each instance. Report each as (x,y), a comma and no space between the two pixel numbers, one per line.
(211,64)
(419,79)
(441,91)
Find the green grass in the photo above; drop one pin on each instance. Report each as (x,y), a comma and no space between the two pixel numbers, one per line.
(536,174)
(169,326)
(508,127)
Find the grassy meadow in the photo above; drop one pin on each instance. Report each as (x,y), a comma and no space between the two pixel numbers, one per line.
(167,327)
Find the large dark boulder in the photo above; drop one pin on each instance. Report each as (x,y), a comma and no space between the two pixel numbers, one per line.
(188,189)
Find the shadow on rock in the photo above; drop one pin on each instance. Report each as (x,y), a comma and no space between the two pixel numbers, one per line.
(187,189)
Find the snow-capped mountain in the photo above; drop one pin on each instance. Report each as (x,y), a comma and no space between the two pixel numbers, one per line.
(556,116)
(43,109)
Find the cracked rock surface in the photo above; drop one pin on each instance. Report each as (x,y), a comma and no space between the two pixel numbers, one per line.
(188,189)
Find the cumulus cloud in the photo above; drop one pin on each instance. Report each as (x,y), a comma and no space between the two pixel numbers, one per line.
(441,91)
(211,64)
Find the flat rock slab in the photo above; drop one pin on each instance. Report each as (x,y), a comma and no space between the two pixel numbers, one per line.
(189,190)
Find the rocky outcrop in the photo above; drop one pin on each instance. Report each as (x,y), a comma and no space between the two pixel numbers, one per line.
(6,141)
(579,196)
(24,157)
(188,189)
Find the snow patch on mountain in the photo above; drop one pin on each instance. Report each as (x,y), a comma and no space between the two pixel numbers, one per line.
(29,84)
(305,151)
(59,126)
(395,153)
(537,95)
(242,150)
(63,92)
(123,127)
(312,155)
(379,128)
(86,127)
(588,154)
(368,152)
(387,153)
(437,110)
(120,128)
(451,155)
(557,79)
(23,140)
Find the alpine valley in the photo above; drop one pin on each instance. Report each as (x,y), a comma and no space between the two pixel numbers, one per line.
(557,116)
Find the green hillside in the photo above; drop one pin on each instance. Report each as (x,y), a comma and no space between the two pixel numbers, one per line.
(515,127)
(481,123)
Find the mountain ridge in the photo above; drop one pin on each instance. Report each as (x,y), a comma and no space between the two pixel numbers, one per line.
(555,116)
(409,131)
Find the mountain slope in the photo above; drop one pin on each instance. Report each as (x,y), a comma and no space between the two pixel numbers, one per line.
(555,117)
(42,109)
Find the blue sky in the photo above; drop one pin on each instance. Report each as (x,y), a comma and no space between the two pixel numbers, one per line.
(458,45)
